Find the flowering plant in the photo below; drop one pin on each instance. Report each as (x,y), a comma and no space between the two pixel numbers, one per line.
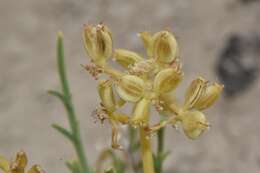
(144,83)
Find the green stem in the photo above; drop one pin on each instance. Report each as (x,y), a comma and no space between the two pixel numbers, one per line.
(132,139)
(74,127)
(134,146)
(160,141)
(160,149)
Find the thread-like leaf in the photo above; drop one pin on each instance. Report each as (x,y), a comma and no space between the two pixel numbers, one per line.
(110,170)
(61,65)
(58,95)
(63,131)
(73,166)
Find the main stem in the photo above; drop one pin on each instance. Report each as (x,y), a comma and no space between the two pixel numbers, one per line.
(147,156)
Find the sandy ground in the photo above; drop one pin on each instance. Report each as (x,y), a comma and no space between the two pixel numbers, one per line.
(27,71)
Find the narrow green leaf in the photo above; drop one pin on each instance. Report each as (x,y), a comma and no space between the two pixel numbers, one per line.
(61,65)
(110,170)
(61,97)
(57,94)
(73,166)
(63,131)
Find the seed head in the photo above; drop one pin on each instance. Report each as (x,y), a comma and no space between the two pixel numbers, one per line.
(165,47)
(195,91)
(193,123)
(130,88)
(147,82)
(106,95)
(98,43)
(167,80)
(126,58)
(208,98)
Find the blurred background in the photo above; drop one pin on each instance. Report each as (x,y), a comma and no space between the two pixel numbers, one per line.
(219,39)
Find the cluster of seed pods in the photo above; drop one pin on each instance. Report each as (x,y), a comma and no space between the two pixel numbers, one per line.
(146,82)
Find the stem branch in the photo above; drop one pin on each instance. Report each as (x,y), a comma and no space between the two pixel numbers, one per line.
(74,127)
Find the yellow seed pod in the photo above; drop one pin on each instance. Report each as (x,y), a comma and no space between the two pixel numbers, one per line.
(167,80)
(209,97)
(148,42)
(194,92)
(130,88)
(104,42)
(193,123)
(141,113)
(4,164)
(142,67)
(89,41)
(19,164)
(126,57)
(165,47)
(98,43)
(106,94)
(169,102)
(36,169)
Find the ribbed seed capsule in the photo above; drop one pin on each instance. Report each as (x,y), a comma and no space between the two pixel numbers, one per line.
(98,43)
(142,67)
(194,123)
(89,42)
(209,97)
(165,47)
(19,164)
(4,164)
(106,94)
(36,169)
(126,57)
(167,80)
(169,102)
(194,92)
(130,88)
(141,113)
(104,42)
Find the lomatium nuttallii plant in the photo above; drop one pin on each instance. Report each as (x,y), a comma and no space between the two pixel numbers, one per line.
(146,82)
